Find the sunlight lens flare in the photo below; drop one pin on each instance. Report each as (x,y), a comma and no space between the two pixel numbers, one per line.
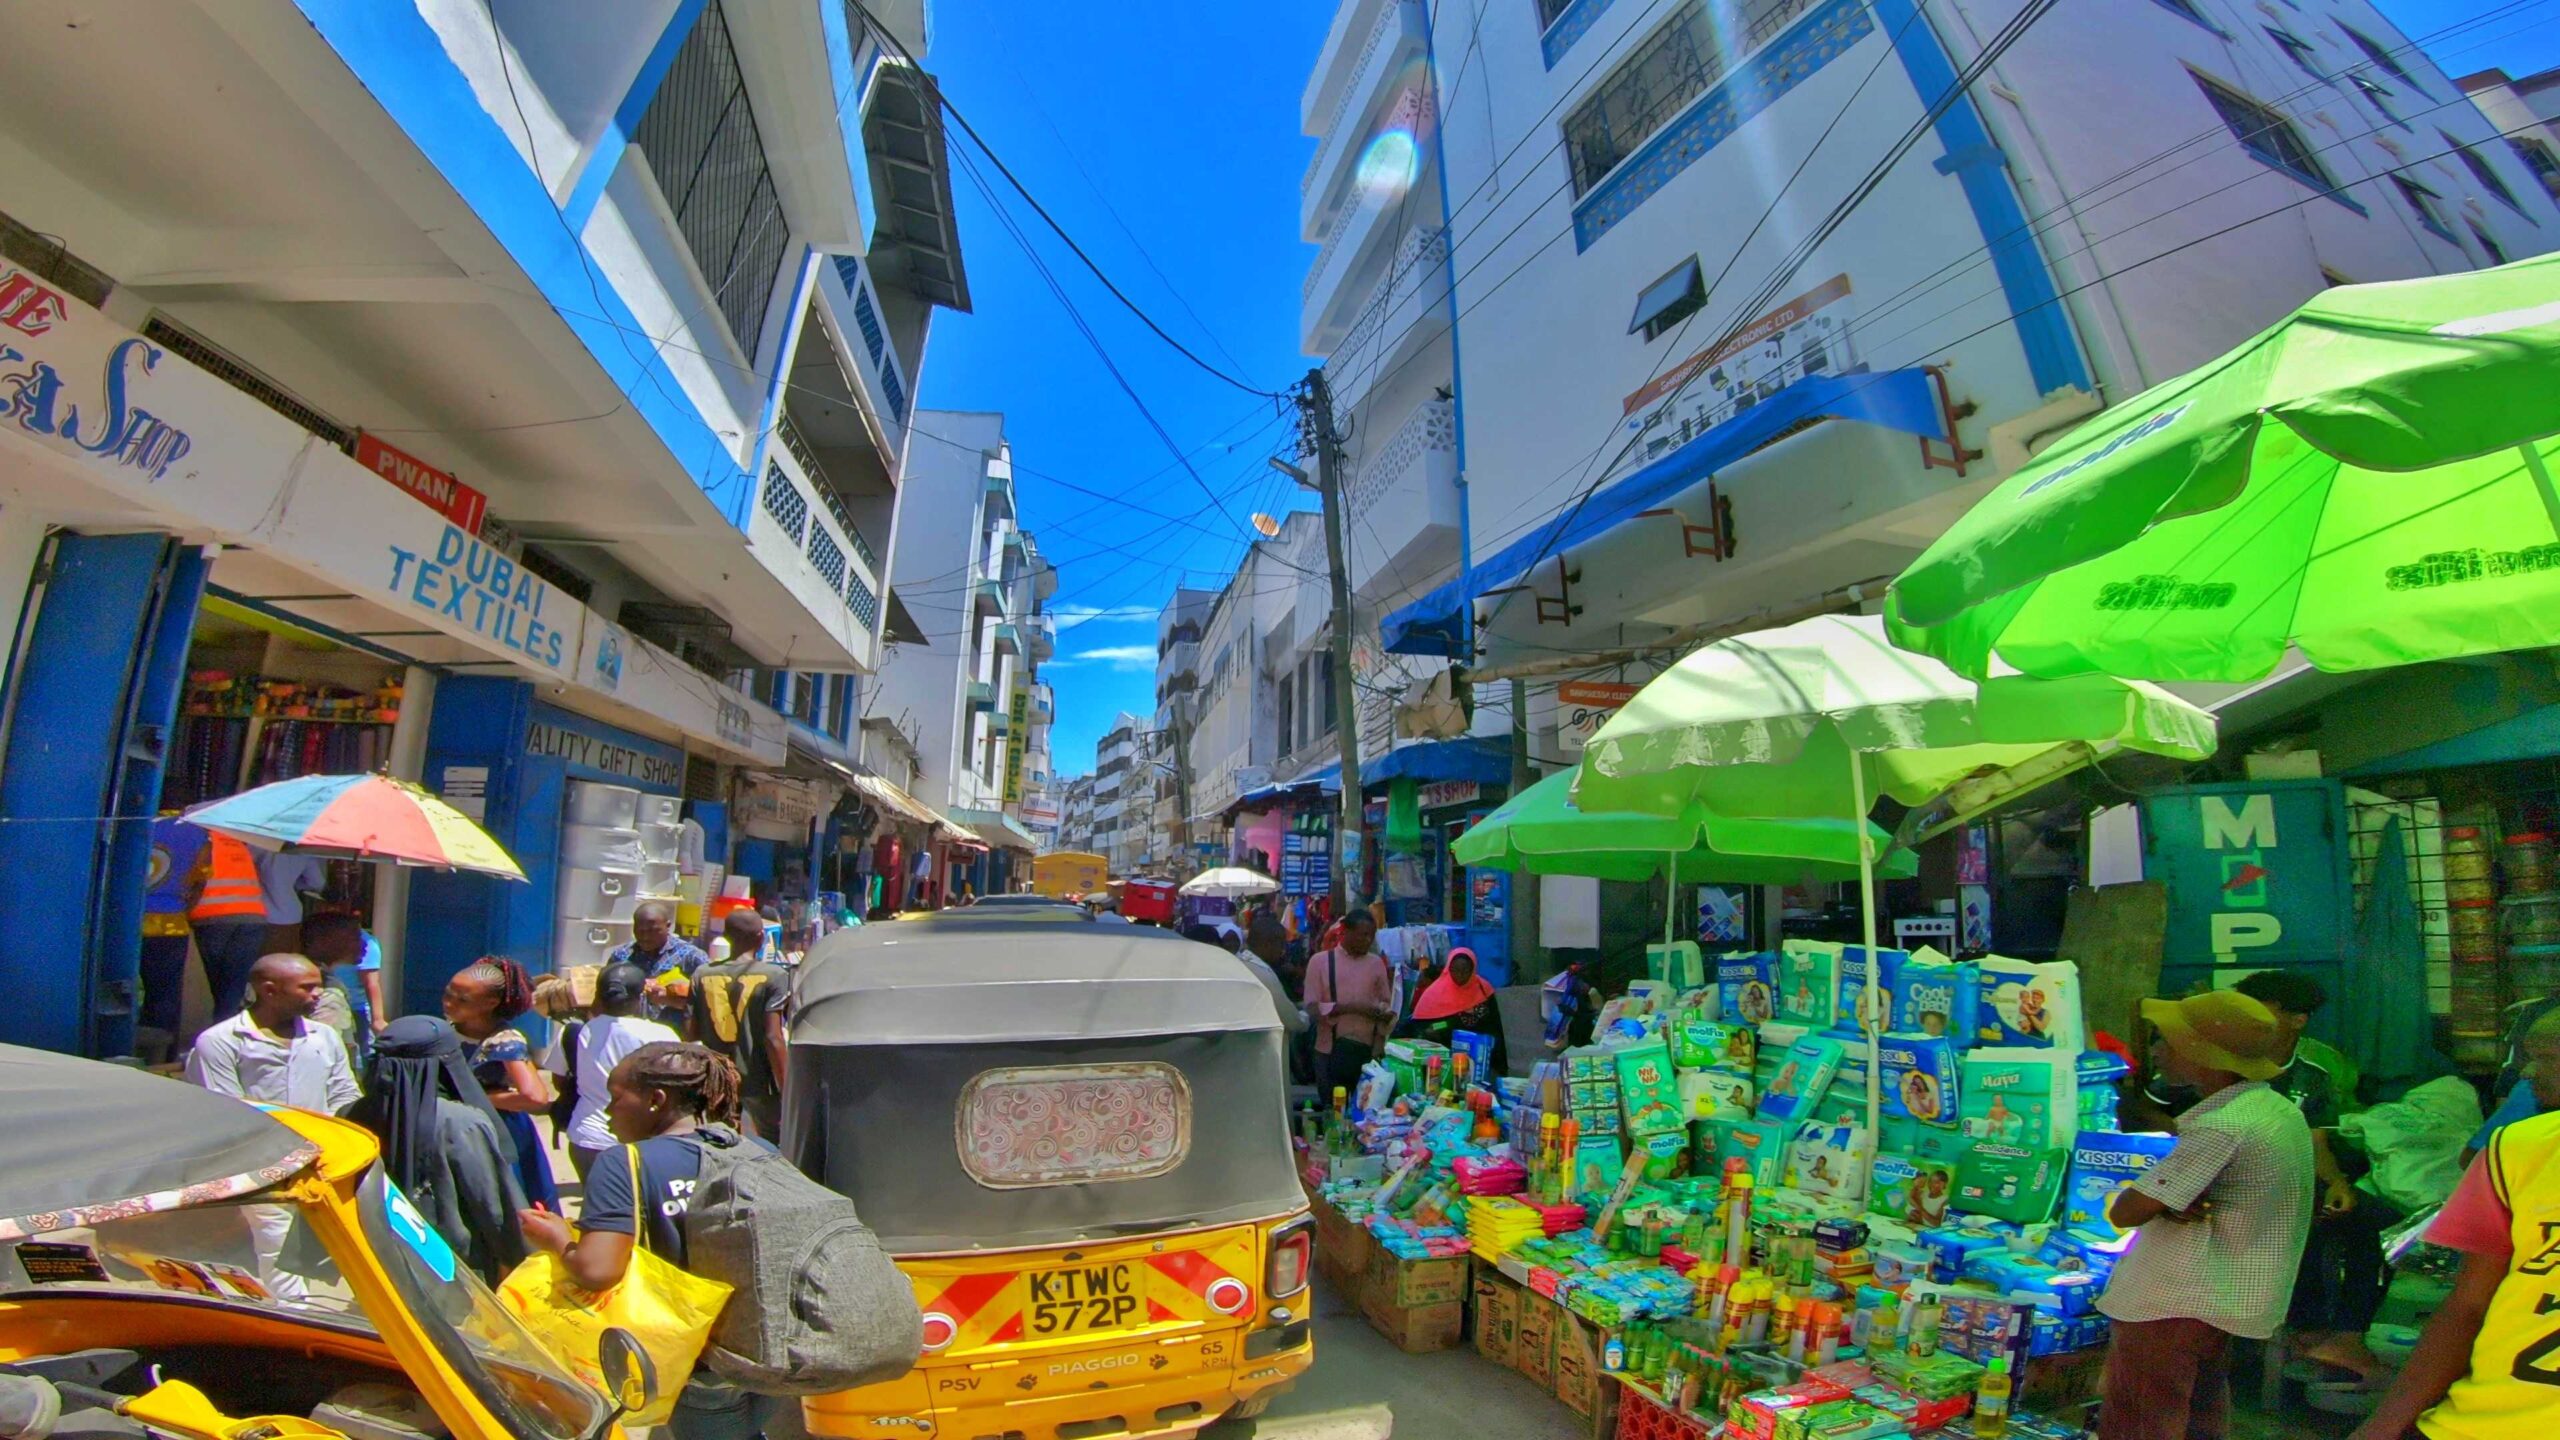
(1387,168)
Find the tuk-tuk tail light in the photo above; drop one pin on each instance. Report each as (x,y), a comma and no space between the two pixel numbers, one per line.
(1229,1296)
(1292,1257)
(939,1331)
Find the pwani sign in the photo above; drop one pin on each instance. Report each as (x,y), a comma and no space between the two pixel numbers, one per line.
(466,582)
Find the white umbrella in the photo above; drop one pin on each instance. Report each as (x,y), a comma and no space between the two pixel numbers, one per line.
(1230,882)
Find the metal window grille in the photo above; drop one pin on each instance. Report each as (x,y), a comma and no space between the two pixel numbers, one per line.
(219,363)
(552,571)
(701,779)
(700,136)
(783,501)
(849,270)
(828,556)
(868,319)
(2537,157)
(864,605)
(2267,134)
(896,390)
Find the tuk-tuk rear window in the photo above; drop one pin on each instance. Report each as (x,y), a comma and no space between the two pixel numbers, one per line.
(1031,1125)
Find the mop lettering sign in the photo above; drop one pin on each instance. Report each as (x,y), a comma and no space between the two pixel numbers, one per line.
(470,584)
(2243,836)
(2254,874)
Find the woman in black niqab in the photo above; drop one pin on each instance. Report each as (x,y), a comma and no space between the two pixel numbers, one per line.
(443,1143)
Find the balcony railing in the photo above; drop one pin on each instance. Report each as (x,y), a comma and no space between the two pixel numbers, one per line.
(1390,16)
(787,503)
(1419,261)
(1414,110)
(824,484)
(1433,425)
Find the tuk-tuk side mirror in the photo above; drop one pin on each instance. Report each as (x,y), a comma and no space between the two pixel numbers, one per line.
(630,1376)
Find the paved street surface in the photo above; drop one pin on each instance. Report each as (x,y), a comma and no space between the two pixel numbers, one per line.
(1363,1388)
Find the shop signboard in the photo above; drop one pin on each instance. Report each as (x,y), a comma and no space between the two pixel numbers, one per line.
(594,750)
(436,489)
(1583,706)
(150,428)
(1442,794)
(2256,872)
(1018,710)
(613,661)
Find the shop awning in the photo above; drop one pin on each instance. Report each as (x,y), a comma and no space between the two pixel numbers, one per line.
(1482,759)
(910,810)
(1903,400)
(997,829)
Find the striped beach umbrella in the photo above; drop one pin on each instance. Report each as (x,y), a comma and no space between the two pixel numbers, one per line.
(357,817)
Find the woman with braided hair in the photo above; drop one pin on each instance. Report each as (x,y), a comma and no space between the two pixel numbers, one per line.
(482,1003)
(637,1194)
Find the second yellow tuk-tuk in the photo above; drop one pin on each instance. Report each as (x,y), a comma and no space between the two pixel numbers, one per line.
(1072,1135)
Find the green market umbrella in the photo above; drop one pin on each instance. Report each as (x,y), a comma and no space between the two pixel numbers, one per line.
(1817,718)
(2370,481)
(1540,831)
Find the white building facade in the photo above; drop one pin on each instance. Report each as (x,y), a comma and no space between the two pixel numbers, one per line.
(1745,317)
(429,392)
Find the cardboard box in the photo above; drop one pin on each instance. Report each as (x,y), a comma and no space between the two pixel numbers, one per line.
(1533,1347)
(1417,1329)
(2061,1384)
(1582,1381)
(1413,1284)
(1497,1315)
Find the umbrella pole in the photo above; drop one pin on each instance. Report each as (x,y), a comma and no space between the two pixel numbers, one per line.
(1670,901)
(2541,474)
(1867,1000)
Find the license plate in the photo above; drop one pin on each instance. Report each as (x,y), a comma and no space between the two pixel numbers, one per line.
(1081,1299)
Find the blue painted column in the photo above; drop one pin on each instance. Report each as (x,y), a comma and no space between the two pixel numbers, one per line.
(95,693)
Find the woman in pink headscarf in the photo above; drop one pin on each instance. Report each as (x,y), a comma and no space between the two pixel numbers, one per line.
(1460,999)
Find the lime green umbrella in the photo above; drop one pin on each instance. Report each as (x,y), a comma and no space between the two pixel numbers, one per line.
(2369,481)
(1817,718)
(1540,831)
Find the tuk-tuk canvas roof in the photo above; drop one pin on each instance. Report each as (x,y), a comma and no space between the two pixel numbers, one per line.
(95,1141)
(957,979)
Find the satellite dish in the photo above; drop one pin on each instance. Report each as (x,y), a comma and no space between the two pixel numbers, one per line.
(1266,524)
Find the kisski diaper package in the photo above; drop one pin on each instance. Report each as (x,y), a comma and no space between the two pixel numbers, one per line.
(2019,1004)
(1823,1159)
(1921,1078)
(2018,1096)
(1803,1073)
(1808,982)
(1933,995)
(1746,987)
(2102,1167)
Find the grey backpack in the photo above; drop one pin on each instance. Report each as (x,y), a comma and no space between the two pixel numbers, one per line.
(818,1306)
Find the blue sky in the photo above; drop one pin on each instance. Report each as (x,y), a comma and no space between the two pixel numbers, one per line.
(1164,137)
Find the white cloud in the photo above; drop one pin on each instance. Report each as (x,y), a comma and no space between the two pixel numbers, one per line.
(1071,616)
(1118,657)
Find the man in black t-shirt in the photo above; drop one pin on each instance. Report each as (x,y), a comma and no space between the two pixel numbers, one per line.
(740,1008)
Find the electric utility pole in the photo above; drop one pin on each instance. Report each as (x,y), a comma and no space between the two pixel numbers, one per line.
(1315,403)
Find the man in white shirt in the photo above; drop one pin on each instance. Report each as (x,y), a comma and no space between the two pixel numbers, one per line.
(274,1053)
(619,1027)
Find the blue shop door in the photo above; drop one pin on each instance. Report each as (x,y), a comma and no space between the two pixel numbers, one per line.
(92,696)
(2256,876)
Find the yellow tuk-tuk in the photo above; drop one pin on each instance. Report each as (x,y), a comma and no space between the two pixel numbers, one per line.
(138,1298)
(1072,1136)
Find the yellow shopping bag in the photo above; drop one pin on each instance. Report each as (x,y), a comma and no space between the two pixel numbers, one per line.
(668,1310)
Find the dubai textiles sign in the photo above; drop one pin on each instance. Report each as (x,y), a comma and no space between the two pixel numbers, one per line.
(466,582)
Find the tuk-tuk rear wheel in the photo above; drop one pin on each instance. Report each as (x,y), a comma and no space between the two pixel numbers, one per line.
(1247,1409)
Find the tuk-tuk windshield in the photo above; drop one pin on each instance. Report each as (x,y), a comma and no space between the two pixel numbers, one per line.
(521,1382)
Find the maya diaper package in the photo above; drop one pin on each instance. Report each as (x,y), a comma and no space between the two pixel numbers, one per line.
(2019,1096)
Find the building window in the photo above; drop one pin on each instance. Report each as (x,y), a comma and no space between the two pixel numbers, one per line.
(2537,157)
(700,135)
(2482,171)
(2265,133)
(2426,205)
(1674,66)
(1549,11)
(2297,50)
(2331,279)
(1325,724)
(1288,713)
(2382,58)
(1666,302)
(2377,97)
(840,713)
(2488,246)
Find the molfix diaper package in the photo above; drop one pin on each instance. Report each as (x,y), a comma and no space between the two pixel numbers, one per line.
(2020,1004)
(1933,995)
(1921,1078)
(1803,1073)
(2102,1166)
(1716,1044)
(1746,990)
(1911,1190)
(2020,1096)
